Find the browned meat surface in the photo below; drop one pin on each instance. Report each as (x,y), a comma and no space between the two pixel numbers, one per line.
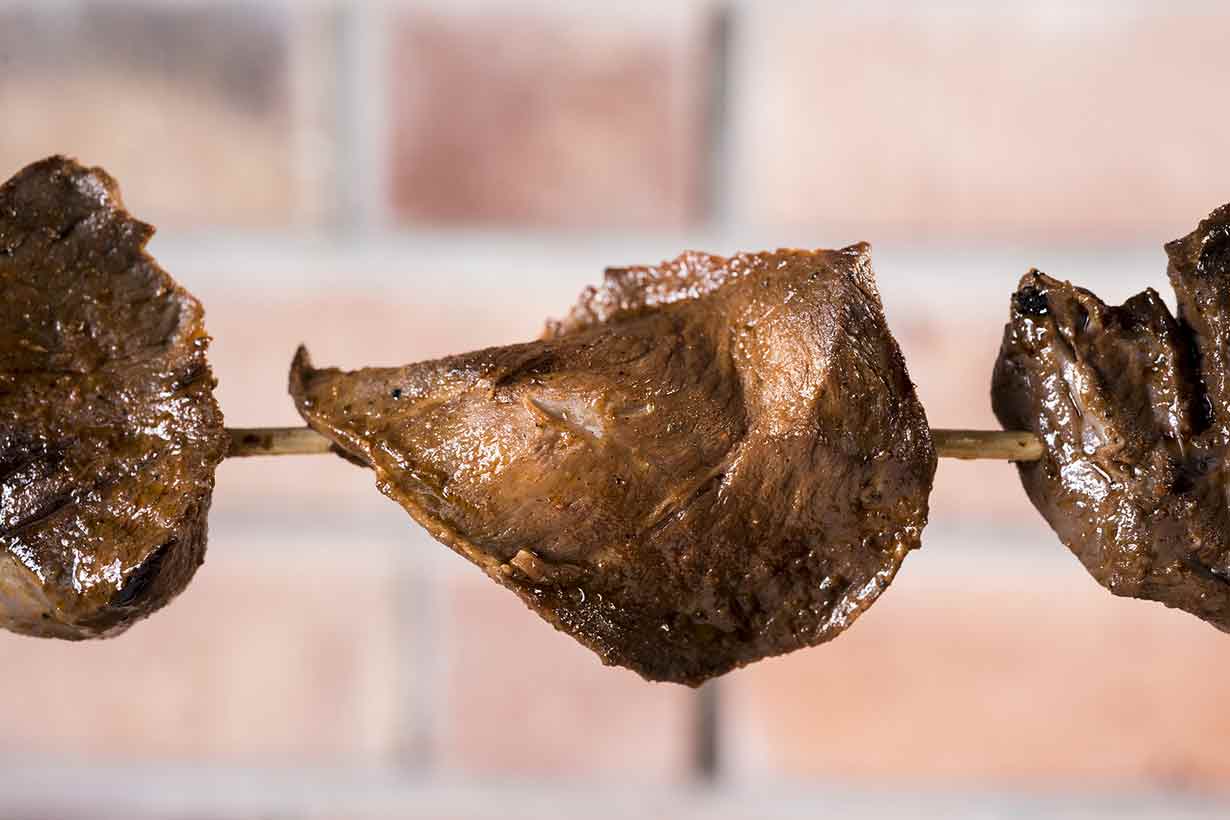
(1133,409)
(706,463)
(109,433)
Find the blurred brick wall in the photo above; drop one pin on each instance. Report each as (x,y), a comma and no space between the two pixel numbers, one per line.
(395,181)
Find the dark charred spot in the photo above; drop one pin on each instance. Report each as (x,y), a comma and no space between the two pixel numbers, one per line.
(13,463)
(1191,367)
(255,439)
(1183,483)
(190,376)
(396,393)
(1215,255)
(63,232)
(139,582)
(1082,318)
(1184,479)
(1030,301)
(530,369)
(1188,473)
(1202,570)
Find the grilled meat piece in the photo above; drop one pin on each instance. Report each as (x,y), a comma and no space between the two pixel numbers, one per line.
(704,464)
(1133,409)
(109,433)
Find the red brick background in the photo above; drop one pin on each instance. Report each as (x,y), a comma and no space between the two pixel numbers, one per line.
(1051,121)
(393,181)
(546,119)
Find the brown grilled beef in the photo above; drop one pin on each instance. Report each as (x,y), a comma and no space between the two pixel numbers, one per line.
(109,433)
(1133,409)
(706,463)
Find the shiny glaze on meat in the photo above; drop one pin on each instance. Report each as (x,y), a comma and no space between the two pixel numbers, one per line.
(1133,409)
(706,463)
(109,433)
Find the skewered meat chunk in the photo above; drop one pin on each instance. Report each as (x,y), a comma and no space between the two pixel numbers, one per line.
(704,464)
(1133,410)
(109,433)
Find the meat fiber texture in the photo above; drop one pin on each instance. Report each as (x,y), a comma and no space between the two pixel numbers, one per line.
(1133,409)
(109,432)
(706,463)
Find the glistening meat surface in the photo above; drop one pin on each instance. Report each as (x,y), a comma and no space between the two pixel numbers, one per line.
(1133,409)
(109,433)
(706,463)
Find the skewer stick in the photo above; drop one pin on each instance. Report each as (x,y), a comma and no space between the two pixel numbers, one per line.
(1012,445)
(276,441)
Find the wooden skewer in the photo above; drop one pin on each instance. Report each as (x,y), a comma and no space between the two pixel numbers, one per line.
(1011,445)
(276,441)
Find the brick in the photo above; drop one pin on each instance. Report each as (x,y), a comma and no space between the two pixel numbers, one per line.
(1034,122)
(190,106)
(987,668)
(520,699)
(549,117)
(285,647)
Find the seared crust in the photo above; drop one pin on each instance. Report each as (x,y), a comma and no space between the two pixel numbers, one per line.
(706,463)
(109,432)
(1133,411)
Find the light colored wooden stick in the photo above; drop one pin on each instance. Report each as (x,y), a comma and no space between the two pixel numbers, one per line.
(276,441)
(1012,445)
